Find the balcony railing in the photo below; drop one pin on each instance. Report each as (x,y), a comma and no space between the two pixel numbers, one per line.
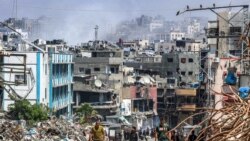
(62,80)
(61,103)
(62,58)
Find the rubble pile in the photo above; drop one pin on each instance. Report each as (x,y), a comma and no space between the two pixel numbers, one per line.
(53,129)
(231,123)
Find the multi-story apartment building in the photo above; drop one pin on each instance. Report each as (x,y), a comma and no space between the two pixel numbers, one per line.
(102,63)
(47,79)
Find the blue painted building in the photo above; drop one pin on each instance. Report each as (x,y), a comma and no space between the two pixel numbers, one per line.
(49,81)
(61,83)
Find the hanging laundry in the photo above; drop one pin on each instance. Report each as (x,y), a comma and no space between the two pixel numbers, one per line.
(244,92)
(230,79)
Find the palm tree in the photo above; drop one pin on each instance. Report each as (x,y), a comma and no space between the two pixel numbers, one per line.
(86,111)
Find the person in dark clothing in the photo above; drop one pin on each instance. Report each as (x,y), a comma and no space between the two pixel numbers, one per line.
(192,137)
(147,132)
(174,136)
(161,131)
(126,134)
(133,135)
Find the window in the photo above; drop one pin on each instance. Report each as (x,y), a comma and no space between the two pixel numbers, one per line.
(183,60)
(20,79)
(170,81)
(45,93)
(45,69)
(190,73)
(190,60)
(114,69)
(81,69)
(170,60)
(169,73)
(235,30)
(183,73)
(96,69)
(87,71)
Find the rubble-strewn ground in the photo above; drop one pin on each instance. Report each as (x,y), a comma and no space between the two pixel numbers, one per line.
(54,129)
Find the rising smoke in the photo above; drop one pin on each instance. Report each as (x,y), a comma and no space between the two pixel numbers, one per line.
(74,20)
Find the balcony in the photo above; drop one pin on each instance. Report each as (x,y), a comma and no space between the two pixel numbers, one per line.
(60,103)
(185,92)
(63,80)
(115,60)
(62,58)
(187,107)
(103,105)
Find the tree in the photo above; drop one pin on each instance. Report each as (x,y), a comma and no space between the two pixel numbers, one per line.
(24,110)
(86,111)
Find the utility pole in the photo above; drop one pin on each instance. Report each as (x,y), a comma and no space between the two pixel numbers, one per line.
(222,49)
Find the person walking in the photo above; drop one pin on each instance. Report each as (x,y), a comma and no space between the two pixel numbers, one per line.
(133,134)
(161,130)
(97,132)
(192,137)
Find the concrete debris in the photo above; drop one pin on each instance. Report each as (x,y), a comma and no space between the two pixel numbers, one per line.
(50,130)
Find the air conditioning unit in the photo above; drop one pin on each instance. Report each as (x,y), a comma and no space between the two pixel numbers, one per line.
(217,59)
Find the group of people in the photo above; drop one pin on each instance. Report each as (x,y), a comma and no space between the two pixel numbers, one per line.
(161,134)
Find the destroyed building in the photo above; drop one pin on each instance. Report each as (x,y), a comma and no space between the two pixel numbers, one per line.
(139,99)
(98,77)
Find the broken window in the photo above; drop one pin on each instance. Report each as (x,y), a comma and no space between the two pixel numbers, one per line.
(183,73)
(20,79)
(190,60)
(183,60)
(114,69)
(96,69)
(170,59)
(190,73)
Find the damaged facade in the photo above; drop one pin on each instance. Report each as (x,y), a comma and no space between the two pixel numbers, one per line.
(98,77)
(47,80)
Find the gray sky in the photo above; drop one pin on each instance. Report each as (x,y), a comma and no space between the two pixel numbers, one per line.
(84,14)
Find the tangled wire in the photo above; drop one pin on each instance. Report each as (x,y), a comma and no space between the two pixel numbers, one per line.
(232,122)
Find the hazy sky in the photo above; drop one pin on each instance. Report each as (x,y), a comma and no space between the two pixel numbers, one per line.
(84,14)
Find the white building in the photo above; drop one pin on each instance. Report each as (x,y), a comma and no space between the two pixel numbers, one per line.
(143,43)
(48,80)
(193,28)
(176,35)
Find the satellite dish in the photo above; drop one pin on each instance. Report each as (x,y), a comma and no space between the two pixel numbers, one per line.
(98,83)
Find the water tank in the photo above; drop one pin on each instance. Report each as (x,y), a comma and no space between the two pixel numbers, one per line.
(244,80)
